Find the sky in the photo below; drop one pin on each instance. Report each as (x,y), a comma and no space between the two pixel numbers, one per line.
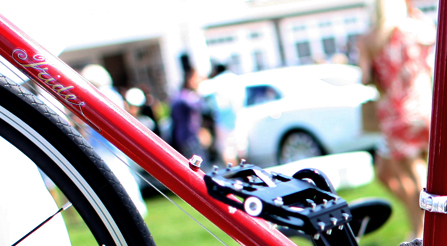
(81,23)
(78,23)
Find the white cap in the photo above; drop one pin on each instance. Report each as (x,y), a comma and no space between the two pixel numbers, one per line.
(97,75)
(135,97)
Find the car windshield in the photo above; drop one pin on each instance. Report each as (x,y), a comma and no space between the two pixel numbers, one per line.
(261,94)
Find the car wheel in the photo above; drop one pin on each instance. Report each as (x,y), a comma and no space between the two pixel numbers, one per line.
(298,145)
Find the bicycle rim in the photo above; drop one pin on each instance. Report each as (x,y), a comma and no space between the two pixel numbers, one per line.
(64,156)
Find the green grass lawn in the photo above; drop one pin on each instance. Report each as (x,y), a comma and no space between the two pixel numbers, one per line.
(170,226)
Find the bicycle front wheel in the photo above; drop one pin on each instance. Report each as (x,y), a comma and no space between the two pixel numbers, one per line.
(66,158)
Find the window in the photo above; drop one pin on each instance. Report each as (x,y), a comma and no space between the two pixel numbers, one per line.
(210,41)
(304,52)
(351,49)
(352,38)
(255,35)
(299,28)
(329,46)
(235,63)
(258,60)
(141,54)
(261,94)
(350,20)
(324,24)
(428,9)
(220,40)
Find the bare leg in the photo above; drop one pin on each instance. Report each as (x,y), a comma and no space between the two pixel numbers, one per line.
(404,179)
(388,175)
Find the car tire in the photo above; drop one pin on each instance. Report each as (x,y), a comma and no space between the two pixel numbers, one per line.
(298,145)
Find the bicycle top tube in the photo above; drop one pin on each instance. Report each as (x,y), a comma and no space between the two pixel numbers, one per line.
(130,136)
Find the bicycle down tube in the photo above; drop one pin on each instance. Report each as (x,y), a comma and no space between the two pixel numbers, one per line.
(129,135)
(435,226)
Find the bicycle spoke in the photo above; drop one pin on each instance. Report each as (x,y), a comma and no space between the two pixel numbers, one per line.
(65,207)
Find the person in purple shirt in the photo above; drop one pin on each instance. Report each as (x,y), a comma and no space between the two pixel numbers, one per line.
(186,116)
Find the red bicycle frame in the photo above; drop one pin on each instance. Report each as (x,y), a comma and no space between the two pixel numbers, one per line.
(172,169)
(130,136)
(435,227)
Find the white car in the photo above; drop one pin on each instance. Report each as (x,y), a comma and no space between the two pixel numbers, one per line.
(288,114)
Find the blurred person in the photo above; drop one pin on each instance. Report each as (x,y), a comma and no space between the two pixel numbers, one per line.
(393,57)
(111,155)
(339,58)
(224,110)
(137,107)
(188,136)
(153,108)
(217,70)
(209,129)
(210,116)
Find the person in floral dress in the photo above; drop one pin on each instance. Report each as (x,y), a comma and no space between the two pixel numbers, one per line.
(393,57)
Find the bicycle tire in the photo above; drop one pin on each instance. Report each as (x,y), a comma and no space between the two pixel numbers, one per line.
(65,156)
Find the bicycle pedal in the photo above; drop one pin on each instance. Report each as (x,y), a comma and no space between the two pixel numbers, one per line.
(280,199)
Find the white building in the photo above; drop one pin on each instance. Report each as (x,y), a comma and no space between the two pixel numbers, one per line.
(141,41)
(299,33)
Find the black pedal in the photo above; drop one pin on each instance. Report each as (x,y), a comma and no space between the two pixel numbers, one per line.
(286,201)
